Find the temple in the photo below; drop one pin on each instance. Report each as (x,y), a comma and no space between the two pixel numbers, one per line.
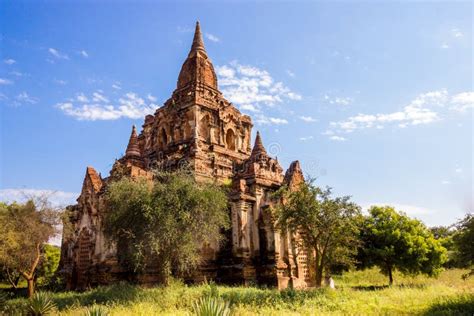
(199,128)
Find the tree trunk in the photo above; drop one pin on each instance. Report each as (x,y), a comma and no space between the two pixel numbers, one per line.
(31,286)
(319,269)
(390,276)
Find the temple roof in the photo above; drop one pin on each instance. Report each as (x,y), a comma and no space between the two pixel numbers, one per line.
(294,175)
(197,68)
(198,43)
(94,178)
(258,150)
(133,150)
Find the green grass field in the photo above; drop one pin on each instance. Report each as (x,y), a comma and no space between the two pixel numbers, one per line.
(357,293)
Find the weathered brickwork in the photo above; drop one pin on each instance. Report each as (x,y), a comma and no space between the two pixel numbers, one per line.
(198,127)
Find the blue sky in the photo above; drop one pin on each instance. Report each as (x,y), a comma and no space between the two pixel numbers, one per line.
(375,99)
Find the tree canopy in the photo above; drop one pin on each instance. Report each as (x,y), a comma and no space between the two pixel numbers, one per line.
(464,243)
(25,230)
(393,241)
(166,222)
(326,226)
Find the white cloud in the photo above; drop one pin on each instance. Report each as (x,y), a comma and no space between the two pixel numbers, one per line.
(60,82)
(56,198)
(82,98)
(16,73)
(116,86)
(338,100)
(9,61)
(290,73)
(151,98)
(251,87)
(5,81)
(462,101)
(417,112)
(212,37)
(444,46)
(457,33)
(411,210)
(308,119)
(264,120)
(84,54)
(98,107)
(97,97)
(303,139)
(57,54)
(337,138)
(23,97)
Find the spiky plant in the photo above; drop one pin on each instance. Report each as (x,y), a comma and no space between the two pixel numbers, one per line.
(41,304)
(96,310)
(211,306)
(3,300)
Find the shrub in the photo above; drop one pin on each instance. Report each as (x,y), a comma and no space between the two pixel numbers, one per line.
(41,304)
(96,310)
(211,306)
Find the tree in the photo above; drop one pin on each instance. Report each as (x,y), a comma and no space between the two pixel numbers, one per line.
(393,241)
(464,243)
(25,230)
(326,226)
(49,263)
(164,223)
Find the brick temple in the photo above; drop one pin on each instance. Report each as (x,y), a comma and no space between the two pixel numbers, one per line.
(198,127)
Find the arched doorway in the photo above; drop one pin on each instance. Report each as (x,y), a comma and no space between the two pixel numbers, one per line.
(230,139)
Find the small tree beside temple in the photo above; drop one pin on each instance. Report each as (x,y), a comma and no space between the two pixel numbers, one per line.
(326,226)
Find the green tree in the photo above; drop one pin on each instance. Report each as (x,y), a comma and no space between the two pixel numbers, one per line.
(25,230)
(464,243)
(393,241)
(326,226)
(49,264)
(164,223)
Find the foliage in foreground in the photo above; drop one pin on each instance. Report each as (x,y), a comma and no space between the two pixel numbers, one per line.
(166,222)
(41,304)
(357,292)
(211,306)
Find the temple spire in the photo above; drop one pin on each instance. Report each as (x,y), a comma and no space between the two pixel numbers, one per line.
(258,149)
(198,43)
(133,150)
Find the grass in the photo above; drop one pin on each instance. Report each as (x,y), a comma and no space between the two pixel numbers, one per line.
(357,293)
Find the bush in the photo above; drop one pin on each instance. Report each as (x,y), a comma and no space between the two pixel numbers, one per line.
(96,310)
(211,306)
(41,304)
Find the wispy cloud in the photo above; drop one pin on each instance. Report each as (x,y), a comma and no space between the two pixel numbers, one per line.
(251,88)
(337,138)
(56,198)
(338,100)
(212,37)
(265,120)
(304,139)
(84,54)
(5,81)
(151,98)
(116,86)
(307,119)
(99,107)
(60,82)
(9,61)
(463,101)
(423,110)
(23,97)
(457,33)
(290,73)
(57,54)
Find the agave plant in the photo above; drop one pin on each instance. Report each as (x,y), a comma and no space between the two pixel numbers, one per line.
(41,304)
(211,306)
(96,310)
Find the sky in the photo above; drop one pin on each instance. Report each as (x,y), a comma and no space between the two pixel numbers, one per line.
(374,98)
